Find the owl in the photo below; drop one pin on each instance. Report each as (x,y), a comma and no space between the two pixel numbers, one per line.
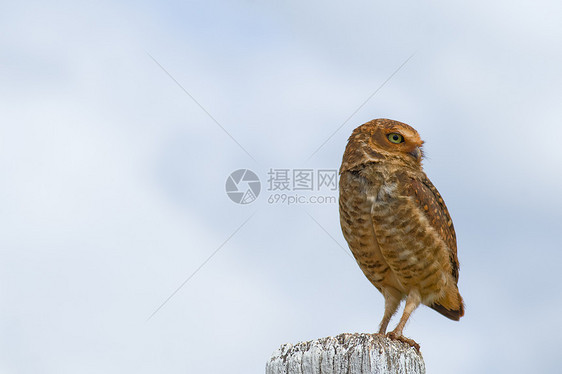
(396,223)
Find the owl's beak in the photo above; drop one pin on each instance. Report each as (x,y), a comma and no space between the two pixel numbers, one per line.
(417,153)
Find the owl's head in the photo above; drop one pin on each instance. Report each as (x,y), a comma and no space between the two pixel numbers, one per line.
(383,140)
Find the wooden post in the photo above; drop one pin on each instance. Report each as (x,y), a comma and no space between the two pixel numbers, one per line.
(347,354)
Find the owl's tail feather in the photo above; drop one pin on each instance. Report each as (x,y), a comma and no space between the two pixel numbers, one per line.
(455,306)
(455,315)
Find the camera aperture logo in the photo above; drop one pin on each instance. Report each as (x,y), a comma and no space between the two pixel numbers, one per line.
(243,186)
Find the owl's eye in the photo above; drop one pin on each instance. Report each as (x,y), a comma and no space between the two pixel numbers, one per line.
(395,138)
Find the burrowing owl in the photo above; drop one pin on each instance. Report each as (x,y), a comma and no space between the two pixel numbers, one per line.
(397,224)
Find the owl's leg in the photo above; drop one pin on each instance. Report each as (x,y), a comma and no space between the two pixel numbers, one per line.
(412,302)
(392,299)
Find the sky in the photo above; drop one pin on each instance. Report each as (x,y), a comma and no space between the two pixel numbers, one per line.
(120,123)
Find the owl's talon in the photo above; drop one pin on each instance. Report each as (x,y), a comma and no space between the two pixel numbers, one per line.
(403,339)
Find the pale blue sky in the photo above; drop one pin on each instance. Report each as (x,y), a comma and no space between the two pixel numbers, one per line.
(112,188)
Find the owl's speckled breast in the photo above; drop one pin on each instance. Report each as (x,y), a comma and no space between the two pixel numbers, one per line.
(387,235)
(356,221)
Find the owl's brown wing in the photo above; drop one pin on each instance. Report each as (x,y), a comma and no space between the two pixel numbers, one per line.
(432,204)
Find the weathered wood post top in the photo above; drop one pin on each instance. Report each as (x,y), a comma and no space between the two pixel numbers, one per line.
(347,354)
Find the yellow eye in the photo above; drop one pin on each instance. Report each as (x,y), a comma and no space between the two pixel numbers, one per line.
(395,138)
